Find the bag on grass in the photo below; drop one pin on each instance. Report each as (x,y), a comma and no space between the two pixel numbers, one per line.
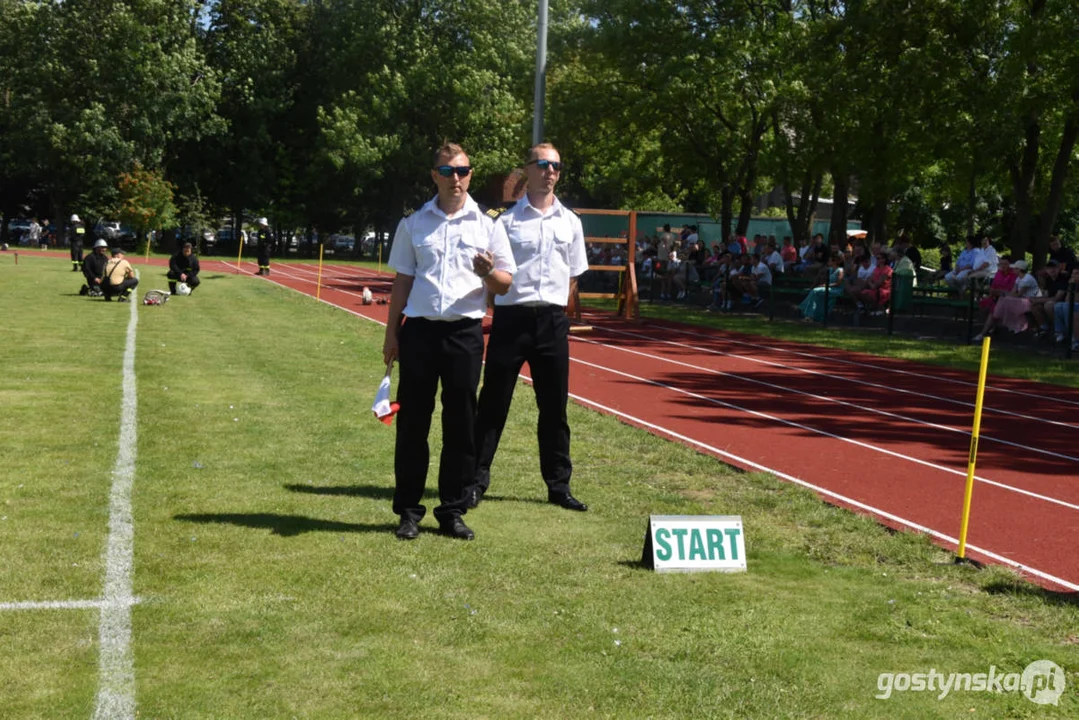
(384,409)
(155,297)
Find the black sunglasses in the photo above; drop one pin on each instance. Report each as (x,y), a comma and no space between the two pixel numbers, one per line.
(544,164)
(448,170)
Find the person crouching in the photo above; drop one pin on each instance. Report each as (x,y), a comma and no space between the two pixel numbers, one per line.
(120,280)
(184,268)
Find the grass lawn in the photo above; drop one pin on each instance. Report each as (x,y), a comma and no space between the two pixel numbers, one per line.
(271,585)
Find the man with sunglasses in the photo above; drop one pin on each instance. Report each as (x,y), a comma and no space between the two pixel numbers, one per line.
(530,325)
(447,256)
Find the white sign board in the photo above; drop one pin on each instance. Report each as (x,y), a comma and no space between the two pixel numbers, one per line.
(693,543)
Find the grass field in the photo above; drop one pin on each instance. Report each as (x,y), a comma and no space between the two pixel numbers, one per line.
(271,585)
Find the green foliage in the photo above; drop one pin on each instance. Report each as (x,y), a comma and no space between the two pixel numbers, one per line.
(146,200)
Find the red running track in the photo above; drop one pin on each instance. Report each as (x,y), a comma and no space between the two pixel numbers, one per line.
(883,437)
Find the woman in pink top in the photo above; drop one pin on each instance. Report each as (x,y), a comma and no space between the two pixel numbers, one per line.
(878,289)
(1001,284)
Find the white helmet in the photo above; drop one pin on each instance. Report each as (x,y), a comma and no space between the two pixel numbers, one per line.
(74,219)
(100,243)
(263,221)
(368,298)
(183,289)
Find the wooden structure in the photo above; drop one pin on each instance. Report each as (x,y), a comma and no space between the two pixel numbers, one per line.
(627,280)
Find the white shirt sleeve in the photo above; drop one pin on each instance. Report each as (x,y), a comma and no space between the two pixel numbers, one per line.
(500,248)
(578,260)
(402,256)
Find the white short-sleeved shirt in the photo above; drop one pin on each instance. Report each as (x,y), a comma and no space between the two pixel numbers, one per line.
(762,273)
(437,251)
(775,260)
(989,255)
(1027,287)
(548,249)
(865,271)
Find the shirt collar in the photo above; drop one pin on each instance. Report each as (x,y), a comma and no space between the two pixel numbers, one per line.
(470,207)
(556,206)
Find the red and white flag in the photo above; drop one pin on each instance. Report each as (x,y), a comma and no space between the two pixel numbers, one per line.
(383,408)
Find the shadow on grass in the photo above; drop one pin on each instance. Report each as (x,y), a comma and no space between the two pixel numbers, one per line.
(1025,589)
(380,492)
(285,525)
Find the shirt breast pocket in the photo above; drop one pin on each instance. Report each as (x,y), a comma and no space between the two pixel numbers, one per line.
(465,247)
(428,251)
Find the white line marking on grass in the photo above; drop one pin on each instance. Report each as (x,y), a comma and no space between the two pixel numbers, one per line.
(58,605)
(825,433)
(843,361)
(842,378)
(116,667)
(824,491)
(862,408)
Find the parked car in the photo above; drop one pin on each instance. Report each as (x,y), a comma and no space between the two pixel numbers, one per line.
(19,231)
(344,244)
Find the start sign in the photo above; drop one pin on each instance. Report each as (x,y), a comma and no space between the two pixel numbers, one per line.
(691,543)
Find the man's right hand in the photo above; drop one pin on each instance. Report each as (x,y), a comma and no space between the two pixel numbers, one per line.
(389,348)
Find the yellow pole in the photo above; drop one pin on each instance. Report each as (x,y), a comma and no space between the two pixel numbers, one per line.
(148,238)
(240,254)
(973,450)
(318,291)
(380,256)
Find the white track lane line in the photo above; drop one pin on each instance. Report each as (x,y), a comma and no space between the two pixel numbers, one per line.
(116,667)
(842,378)
(824,433)
(833,358)
(833,400)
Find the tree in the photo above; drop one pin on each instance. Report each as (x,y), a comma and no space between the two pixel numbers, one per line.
(146,201)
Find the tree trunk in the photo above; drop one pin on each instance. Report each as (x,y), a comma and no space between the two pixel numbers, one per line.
(726,213)
(1053,203)
(1024,178)
(838,229)
(972,200)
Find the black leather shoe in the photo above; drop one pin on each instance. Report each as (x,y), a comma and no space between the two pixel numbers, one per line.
(567,501)
(475,495)
(408,529)
(456,528)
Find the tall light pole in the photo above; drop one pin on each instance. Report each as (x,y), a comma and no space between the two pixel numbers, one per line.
(541,73)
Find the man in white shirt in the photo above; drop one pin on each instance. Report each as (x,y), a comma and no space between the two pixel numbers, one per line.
(774,261)
(530,325)
(986,261)
(447,256)
(761,282)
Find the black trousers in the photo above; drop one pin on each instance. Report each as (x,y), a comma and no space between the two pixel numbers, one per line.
(192,281)
(540,337)
(264,257)
(123,289)
(76,254)
(430,352)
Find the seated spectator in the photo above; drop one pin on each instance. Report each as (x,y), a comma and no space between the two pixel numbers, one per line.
(120,280)
(734,247)
(758,282)
(818,257)
(1011,309)
(93,269)
(945,264)
(774,260)
(878,288)
(964,265)
(1064,255)
(855,282)
(184,267)
(814,306)
(789,253)
(1001,286)
(986,261)
(724,266)
(1054,291)
(741,276)
(903,265)
(1060,314)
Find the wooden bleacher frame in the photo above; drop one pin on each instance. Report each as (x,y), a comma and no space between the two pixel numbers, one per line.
(628,302)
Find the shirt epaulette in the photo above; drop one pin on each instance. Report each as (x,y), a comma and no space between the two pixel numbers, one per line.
(408,211)
(492,212)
